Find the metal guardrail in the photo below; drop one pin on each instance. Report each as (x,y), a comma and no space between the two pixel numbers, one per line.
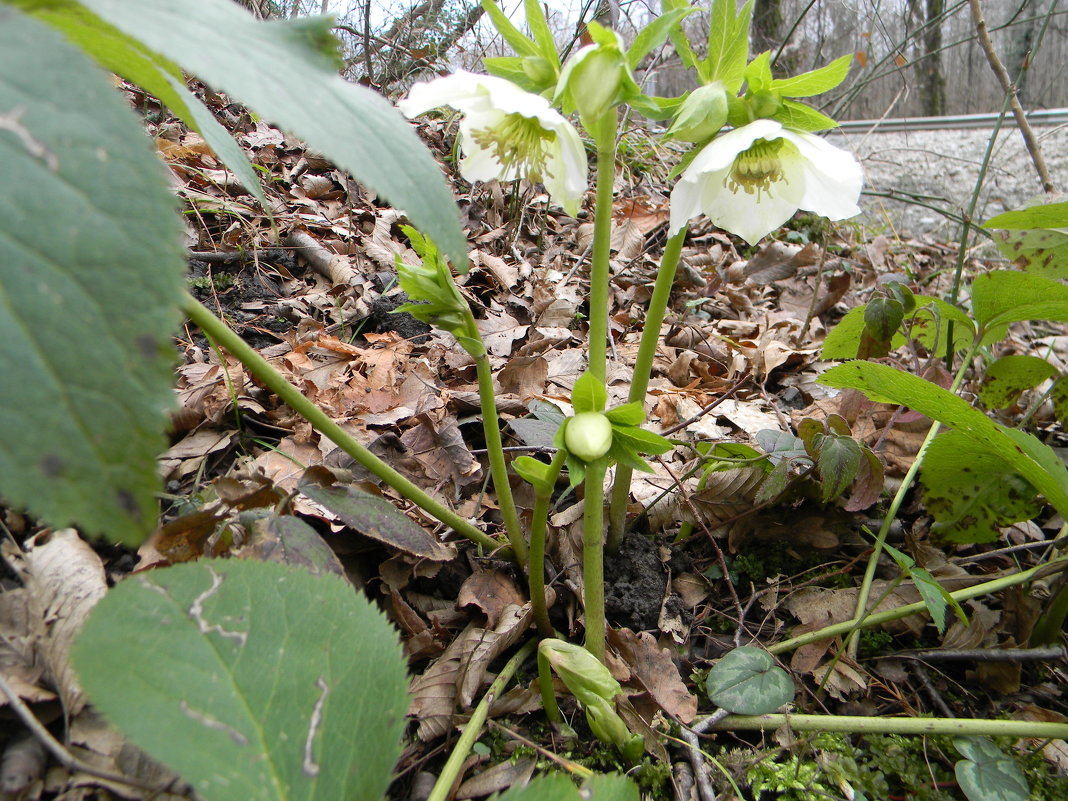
(1055,116)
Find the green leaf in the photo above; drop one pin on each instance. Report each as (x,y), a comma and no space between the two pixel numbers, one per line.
(987,774)
(748,682)
(1043,251)
(588,394)
(533,472)
(934,596)
(682,43)
(800,117)
(376,518)
(516,40)
(1006,378)
(838,460)
(254,681)
(1058,395)
(728,43)
(281,71)
(642,441)
(928,324)
(539,29)
(780,446)
(971,492)
(654,34)
(1006,296)
(883,317)
(556,787)
(90,278)
(125,56)
(611,787)
(815,82)
(1029,457)
(758,74)
(1046,215)
(629,414)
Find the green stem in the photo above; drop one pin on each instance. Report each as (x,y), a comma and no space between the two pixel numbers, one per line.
(643,368)
(878,618)
(604,133)
(899,497)
(495,449)
(538,525)
(593,557)
(858,724)
(548,695)
(473,727)
(216,329)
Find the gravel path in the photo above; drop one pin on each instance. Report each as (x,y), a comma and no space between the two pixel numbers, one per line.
(944,165)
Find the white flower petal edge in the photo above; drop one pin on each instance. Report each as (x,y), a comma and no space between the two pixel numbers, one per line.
(812,175)
(486,101)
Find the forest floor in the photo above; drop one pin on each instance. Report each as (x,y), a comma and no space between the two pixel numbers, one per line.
(314,290)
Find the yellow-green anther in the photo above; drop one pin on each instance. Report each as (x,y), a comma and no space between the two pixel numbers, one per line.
(588,436)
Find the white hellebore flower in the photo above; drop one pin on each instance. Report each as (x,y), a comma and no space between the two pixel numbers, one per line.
(508,133)
(751,180)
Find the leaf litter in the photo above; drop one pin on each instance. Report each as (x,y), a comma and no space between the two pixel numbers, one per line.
(247,478)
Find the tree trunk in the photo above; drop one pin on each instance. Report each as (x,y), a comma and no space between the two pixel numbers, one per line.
(933,82)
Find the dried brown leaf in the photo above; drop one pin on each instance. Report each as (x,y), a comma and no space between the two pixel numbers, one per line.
(655,668)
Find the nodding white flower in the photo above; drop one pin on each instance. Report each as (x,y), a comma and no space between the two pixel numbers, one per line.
(751,180)
(508,133)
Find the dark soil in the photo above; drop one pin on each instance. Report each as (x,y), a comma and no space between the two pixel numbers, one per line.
(635,582)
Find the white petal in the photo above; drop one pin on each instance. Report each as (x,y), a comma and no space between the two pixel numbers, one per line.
(832,177)
(743,214)
(720,152)
(461,90)
(566,168)
(685,204)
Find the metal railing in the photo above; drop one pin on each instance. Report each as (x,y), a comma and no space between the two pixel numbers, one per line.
(1055,116)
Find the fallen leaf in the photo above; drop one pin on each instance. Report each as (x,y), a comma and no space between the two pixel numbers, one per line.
(655,668)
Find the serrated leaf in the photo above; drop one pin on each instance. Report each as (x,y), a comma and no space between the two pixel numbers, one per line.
(91,273)
(378,519)
(1007,296)
(987,774)
(1007,377)
(972,492)
(883,318)
(353,126)
(1043,251)
(778,478)
(838,460)
(746,681)
(588,394)
(254,681)
(1025,454)
(868,485)
(800,117)
(815,82)
(653,34)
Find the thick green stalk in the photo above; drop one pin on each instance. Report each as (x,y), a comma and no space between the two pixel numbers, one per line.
(878,618)
(495,450)
(548,694)
(604,134)
(639,384)
(593,557)
(536,566)
(858,724)
(473,727)
(215,328)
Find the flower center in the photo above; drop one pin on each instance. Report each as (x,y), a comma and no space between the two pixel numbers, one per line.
(519,143)
(757,168)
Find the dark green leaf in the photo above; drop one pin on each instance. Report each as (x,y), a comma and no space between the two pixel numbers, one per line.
(282,70)
(837,462)
(986,774)
(91,272)
(629,414)
(642,441)
(378,519)
(748,682)
(254,681)
(934,596)
(883,317)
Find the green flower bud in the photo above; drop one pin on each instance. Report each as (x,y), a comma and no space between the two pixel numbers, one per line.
(588,436)
(701,114)
(540,70)
(765,103)
(585,676)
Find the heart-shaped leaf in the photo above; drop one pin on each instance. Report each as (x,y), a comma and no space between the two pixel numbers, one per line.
(748,682)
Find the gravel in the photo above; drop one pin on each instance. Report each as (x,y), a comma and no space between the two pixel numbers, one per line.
(944,166)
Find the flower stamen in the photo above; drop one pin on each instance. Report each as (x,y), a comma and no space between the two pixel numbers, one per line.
(756,169)
(519,144)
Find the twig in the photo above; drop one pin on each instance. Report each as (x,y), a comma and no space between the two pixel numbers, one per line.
(700,769)
(57,749)
(987,654)
(1010,90)
(738,384)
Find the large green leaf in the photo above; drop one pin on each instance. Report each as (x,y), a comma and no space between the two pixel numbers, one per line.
(988,774)
(90,278)
(1007,377)
(1007,296)
(728,43)
(1031,458)
(815,82)
(125,56)
(254,681)
(284,70)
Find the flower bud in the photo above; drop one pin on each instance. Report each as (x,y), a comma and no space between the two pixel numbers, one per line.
(701,114)
(588,436)
(585,676)
(765,103)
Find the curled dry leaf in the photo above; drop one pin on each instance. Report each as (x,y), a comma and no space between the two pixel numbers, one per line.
(655,668)
(64,579)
